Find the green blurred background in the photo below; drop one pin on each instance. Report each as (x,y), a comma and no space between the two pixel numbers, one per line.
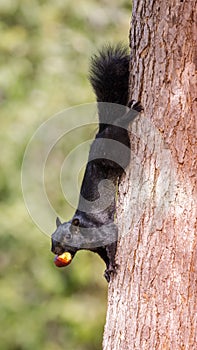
(45,48)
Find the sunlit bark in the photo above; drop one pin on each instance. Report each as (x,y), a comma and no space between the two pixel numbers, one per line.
(153,298)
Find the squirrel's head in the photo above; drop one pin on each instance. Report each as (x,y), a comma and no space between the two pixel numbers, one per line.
(66,238)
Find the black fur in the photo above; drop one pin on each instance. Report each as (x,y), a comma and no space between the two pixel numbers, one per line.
(109,75)
(92,226)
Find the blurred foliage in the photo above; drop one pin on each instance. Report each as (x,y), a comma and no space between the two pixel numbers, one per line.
(45,48)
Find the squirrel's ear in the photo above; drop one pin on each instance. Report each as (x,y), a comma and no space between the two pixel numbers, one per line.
(75,222)
(58,222)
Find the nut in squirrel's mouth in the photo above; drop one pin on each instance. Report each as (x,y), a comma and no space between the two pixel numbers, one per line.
(63,260)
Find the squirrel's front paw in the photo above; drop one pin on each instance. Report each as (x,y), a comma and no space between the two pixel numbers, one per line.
(111,270)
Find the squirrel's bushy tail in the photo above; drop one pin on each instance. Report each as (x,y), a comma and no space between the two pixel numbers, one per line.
(109,74)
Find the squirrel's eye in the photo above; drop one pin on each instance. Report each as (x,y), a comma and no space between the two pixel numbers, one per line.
(75,222)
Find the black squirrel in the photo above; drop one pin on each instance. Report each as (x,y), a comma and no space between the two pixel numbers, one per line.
(92,226)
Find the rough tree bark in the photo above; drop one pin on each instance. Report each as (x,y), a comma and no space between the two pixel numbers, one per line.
(152,302)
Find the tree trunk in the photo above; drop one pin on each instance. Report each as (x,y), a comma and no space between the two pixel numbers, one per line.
(153,298)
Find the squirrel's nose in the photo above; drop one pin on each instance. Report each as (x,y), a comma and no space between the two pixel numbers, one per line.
(56,247)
